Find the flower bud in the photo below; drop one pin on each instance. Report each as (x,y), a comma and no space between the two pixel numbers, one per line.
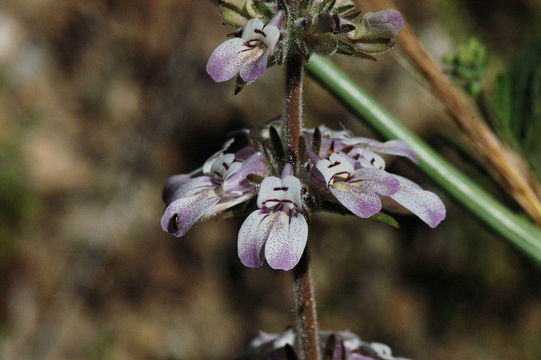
(238,12)
(377,31)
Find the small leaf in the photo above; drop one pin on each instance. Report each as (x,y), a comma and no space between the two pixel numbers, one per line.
(290,352)
(239,85)
(516,103)
(316,141)
(276,142)
(328,352)
(326,6)
(263,9)
(386,218)
(302,148)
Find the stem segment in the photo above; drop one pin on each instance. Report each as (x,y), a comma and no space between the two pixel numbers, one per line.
(293,105)
(305,309)
(303,288)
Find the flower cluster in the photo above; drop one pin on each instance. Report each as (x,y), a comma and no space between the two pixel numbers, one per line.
(265,35)
(342,345)
(336,171)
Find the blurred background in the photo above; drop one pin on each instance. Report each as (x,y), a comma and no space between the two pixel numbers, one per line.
(102,100)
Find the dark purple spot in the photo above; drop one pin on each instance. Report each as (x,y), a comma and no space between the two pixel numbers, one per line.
(257,31)
(172,227)
(225,166)
(336,163)
(285,188)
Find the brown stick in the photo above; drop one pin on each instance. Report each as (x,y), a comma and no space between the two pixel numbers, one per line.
(305,310)
(508,167)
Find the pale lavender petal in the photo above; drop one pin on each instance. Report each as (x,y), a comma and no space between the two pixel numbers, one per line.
(254,68)
(252,236)
(182,213)
(310,156)
(376,180)
(278,20)
(391,147)
(172,184)
(387,22)
(425,204)
(286,241)
(227,59)
(244,153)
(407,182)
(255,164)
(287,171)
(227,202)
(191,187)
(360,203)
(317,180)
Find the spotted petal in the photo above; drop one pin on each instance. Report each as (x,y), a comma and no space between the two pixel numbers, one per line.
(286,241)
(252,236)
(391,147)
(255,164)
(363,204)
(187,188)
(227,59)
(425,204)
(375,180)
(255,66)
(172,184)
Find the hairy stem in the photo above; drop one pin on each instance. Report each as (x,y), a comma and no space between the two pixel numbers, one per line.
(305,309)
(303,288)
(293,105)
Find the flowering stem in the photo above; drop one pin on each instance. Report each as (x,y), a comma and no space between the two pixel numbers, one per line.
(293,105)
(303,288)
(305,309)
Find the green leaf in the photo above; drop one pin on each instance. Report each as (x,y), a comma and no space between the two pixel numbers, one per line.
(512,227)
(385,218)
(516,103)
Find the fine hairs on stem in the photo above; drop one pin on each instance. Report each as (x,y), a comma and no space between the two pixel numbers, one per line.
(303,289)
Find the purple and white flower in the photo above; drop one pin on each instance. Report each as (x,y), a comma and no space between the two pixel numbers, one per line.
(221,186)
(357,188)
(337,140)
(247,55)
(277,231)
(339,168)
